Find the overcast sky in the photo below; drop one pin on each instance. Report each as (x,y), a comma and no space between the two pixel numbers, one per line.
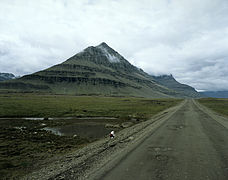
(186,38)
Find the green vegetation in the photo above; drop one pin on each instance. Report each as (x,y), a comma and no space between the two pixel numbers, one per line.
(218,105)
(72,106)
(25,145)
(24,148)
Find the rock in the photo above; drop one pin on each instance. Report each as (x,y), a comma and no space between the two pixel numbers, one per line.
(134,119)
(108,125)
(157,149)
(126,124)
(129,139)
(116,126)
(61,177)
(112,126)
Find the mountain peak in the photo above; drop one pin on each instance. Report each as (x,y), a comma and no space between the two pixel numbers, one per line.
(110,54)
(98,70)
(103,44)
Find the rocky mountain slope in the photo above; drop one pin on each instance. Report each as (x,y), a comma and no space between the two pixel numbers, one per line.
(98,70)
(6,76)
(171,83)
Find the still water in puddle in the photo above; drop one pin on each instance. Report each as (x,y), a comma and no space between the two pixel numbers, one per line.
(82,130)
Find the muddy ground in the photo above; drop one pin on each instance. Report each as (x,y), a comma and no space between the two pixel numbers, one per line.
(27,143)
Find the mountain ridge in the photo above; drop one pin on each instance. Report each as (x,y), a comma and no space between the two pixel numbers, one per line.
(6,76)
(170,82)
(97,70)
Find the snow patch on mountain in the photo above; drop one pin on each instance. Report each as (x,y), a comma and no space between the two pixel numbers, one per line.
(112,58)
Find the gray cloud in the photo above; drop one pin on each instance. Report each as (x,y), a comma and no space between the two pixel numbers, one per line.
(188,39)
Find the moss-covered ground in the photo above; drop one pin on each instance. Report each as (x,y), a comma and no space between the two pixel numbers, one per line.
(218,105)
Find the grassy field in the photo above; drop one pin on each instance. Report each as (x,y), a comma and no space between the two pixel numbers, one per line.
(218,105)
(71,106)
(24,145)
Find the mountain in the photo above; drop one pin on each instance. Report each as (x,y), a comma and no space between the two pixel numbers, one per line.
(6,76)
(215,94)
(171,83)
(98,70)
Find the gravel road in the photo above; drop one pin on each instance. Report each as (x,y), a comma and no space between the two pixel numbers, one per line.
(190,145)
(184,142)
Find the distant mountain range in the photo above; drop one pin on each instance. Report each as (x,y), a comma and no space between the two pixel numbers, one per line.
(6,76)
(99,70)
(215,94)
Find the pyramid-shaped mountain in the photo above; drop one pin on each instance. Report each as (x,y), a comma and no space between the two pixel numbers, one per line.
(98,70)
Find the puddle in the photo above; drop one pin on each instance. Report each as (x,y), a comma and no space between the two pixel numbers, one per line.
(54,131)
(82,130)
(37,119)
(59,118)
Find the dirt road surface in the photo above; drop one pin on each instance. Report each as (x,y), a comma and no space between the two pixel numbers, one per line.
(189,145)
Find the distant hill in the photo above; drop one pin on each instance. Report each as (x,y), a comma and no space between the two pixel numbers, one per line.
(215,94)
(99,70)
(171,83)
(6,76)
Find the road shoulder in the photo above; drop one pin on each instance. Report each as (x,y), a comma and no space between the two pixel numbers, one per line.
(217,117)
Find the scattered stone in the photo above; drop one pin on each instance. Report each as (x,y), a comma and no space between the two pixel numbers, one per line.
(157,149)
(116,126)
(126,124)
(20,128)
(108,125)
(61,177)
(112,145)
(112,126)
(134,119)
(129,139)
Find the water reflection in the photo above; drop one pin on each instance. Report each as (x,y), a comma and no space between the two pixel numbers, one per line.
(54,131)
(82,130)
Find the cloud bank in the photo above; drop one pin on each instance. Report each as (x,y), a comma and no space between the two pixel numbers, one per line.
(188,39)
